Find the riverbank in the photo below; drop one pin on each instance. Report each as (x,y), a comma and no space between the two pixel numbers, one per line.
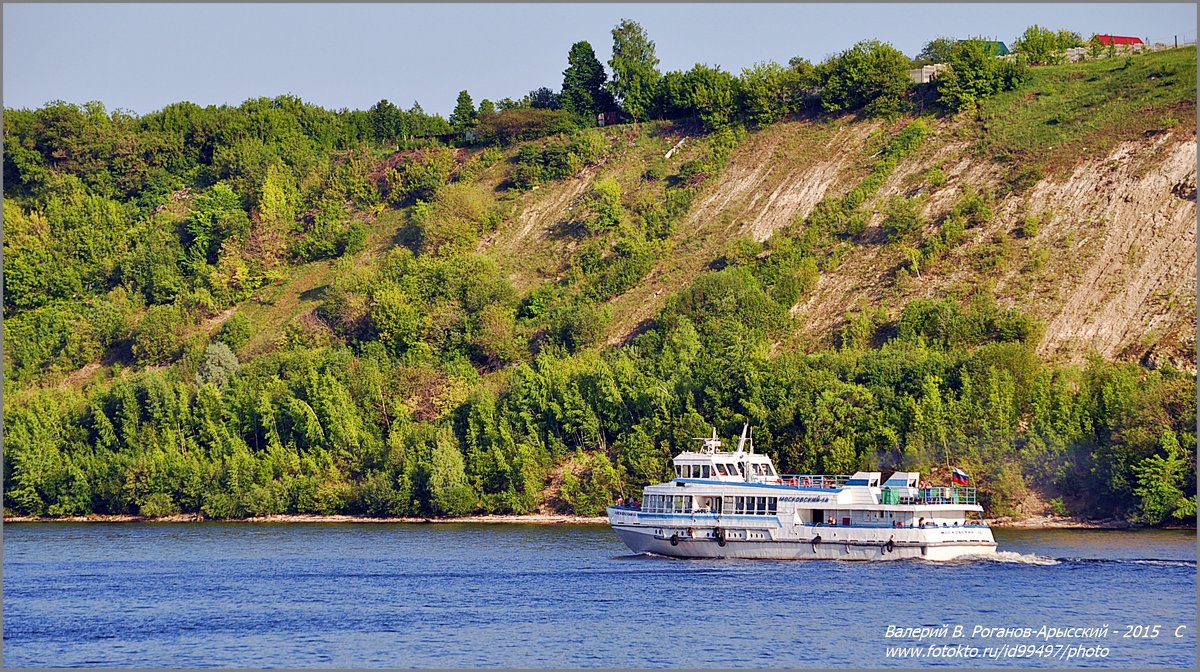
(526,519)
(1028,523)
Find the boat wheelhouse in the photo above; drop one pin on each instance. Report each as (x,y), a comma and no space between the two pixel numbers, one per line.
(725,504)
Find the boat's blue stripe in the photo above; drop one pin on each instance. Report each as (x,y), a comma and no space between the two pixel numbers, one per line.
(692,516)
(789,488)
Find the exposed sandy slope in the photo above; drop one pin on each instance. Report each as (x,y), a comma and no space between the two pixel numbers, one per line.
(1135,217)
(1116,244)
(774,177)
(1120,240)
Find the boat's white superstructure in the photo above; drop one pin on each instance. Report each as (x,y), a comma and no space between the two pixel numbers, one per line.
(732,504)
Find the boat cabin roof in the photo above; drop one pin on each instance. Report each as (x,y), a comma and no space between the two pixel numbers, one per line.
(903,479)
(867,478)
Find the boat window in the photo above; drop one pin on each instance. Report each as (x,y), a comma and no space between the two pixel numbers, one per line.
(772,505)
(678,471)
(721,469)
(705,470)
(739,506)
(741,470)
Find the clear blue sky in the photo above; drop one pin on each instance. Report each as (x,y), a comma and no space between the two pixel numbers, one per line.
(142,57)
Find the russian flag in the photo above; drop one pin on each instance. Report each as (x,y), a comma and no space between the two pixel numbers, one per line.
(959,477)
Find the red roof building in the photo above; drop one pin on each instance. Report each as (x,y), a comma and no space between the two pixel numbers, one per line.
(1117,39)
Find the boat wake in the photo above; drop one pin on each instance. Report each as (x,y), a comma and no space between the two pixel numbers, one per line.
(1010,557)
(1155,562)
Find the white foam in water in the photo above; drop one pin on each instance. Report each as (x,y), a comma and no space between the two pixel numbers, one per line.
(1010,556)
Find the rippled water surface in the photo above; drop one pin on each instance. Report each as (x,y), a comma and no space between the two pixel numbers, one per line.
(374,595)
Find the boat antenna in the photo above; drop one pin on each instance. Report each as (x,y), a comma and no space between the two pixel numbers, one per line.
(745,436)
(710,444)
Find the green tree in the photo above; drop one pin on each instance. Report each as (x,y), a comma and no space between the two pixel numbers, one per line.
(1043,46)
(218,366)
(711,94)
(450,494)
(544,98)
(216,215)
(635,69)
(1160,479)
(937,50)
(606,200)
(158,338)
(583,92)
(767,92)
(235,332)
(973,76)
(871,76)
(464,115)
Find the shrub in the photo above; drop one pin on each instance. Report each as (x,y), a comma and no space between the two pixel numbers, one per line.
(330,234)
(902,217)
(597,485)
(219,365)
(158,505)
(871,76)
(605,199)
(976,74)
(159,336)
(522,123)
(235,332)
(454,220)
(973,208)
(419,176)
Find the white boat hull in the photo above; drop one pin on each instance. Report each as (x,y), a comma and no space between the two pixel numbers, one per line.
(678,544)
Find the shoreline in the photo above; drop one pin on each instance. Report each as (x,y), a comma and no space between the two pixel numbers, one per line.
(289,518)
(1030,523)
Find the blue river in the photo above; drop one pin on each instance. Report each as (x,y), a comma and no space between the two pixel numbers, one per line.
(451,595)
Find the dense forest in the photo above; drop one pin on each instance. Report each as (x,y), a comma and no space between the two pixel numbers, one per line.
(140,377)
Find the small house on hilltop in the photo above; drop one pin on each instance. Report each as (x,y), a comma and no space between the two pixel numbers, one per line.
(1118,40)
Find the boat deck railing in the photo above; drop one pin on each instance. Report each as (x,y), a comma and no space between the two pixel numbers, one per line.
(942,495)
(828,481)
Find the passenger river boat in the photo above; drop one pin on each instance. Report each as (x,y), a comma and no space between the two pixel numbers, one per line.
(732,504)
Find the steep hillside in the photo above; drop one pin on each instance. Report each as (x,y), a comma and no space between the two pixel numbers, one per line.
(319,312)
(1108,262)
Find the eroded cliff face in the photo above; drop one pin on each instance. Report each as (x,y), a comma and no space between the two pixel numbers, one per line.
(1111,268)
(1108,264)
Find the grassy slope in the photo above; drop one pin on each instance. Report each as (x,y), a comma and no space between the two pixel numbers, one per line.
(1064,118)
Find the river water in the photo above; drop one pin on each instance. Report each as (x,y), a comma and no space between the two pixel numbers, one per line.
(449,595)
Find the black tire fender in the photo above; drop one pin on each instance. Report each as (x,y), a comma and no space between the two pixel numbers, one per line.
(890,546)
(816,539)
(720,534)
(675,539)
